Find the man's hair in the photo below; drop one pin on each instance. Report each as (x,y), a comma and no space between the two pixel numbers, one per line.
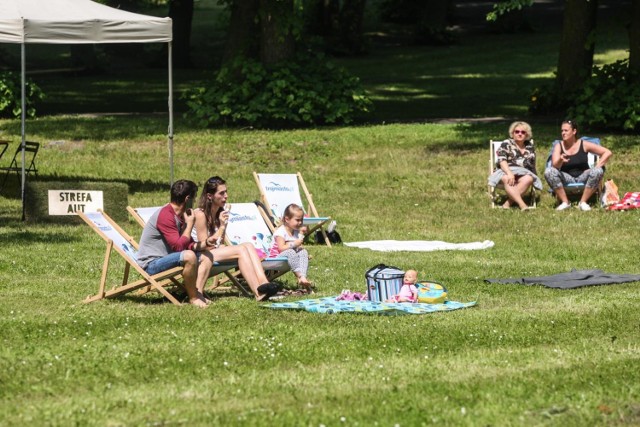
(181,189)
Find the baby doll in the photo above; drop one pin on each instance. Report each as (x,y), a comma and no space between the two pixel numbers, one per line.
(408,291)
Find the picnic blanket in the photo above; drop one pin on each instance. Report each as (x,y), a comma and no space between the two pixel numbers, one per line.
(331,305)
(629,201)
(418,245)
(573,279)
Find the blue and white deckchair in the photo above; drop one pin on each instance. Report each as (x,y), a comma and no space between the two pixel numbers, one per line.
(248,224)
(277,191)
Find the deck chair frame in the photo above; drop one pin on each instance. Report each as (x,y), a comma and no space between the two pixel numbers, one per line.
(576,189)
(157,281)
(493,194)
(307,195)
(141,215)
(31,149)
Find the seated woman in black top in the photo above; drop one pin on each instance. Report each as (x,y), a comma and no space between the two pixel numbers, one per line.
(569,164)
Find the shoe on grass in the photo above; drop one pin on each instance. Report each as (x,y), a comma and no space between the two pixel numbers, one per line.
(584,206)
(562,206)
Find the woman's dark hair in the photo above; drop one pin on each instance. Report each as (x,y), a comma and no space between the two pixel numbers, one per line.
(571,123)
(205,202)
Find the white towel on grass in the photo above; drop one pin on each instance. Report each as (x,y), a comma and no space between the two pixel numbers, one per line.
(418,245)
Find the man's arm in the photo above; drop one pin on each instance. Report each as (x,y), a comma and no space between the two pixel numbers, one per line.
(168,228)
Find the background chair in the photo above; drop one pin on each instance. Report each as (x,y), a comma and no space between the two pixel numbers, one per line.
(3,147)
(575,190)
(493,194)
(31,150)
(277,191)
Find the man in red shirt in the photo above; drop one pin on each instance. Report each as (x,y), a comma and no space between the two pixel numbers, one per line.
(166,241)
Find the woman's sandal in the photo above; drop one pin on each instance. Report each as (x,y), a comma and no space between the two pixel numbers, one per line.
(267,290)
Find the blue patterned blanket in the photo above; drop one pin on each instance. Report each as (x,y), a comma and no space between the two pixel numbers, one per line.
(330,305)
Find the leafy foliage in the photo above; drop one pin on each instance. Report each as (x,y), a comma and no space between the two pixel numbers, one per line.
(10,95)
(504,7)
(609,99)
(308,90)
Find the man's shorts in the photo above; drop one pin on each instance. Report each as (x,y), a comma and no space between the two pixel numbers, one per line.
(167,262)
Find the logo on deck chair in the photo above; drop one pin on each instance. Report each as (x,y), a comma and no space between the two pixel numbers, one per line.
(274,186)
(235,217)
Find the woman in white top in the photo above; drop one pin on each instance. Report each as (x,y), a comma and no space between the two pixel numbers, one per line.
(210,224)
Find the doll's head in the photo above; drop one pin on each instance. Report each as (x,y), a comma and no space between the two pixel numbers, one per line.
(410,277)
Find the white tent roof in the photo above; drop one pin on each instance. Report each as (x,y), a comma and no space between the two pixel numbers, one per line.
(77,21)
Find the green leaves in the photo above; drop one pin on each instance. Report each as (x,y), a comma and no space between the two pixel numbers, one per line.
(10,95)
(308,90)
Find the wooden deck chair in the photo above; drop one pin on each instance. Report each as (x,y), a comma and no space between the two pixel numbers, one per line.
(493,193)
(277,191)
(575,190)
(142,216)
(248,224)
(117,239)
(31,150)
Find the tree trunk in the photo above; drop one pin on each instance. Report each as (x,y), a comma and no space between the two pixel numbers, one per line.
(181,12)
(433,19)
(351,17)
(276,20)
(323,18)
(634,38)
(242,37)
(577,44)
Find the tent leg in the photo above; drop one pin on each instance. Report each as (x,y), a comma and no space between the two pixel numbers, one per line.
(22,131)
(170,135)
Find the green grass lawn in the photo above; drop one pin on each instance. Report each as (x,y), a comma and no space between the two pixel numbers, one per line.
(525,355)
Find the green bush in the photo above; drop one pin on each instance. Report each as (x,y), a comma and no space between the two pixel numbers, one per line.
(308,90)
(10,95)
(610,99)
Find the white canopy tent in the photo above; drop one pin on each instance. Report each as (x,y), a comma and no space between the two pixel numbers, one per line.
(79,22)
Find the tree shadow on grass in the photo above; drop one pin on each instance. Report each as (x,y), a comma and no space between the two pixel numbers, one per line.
(25,237)
(11,189)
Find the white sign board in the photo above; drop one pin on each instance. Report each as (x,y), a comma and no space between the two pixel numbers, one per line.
(68,202)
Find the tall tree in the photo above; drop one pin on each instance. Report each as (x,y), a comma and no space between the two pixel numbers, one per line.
(577,44)
(276,30)
(243,27)
(181,12)
(634,37)
(350,25)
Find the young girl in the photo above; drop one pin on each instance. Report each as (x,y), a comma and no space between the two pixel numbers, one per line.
(408,291)
(287,242)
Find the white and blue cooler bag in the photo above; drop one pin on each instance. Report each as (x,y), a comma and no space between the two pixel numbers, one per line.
(383,282)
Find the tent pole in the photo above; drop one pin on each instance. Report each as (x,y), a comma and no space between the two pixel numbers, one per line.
(23,119)
(170,136)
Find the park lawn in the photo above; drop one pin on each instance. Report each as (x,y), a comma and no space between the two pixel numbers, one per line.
(525,355)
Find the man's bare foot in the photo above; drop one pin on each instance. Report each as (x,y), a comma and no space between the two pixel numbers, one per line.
(198,302)
(507,205)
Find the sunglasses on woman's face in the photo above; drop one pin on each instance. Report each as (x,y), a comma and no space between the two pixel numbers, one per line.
(519,132)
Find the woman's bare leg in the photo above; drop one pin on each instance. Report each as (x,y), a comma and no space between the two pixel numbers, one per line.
(254,276)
